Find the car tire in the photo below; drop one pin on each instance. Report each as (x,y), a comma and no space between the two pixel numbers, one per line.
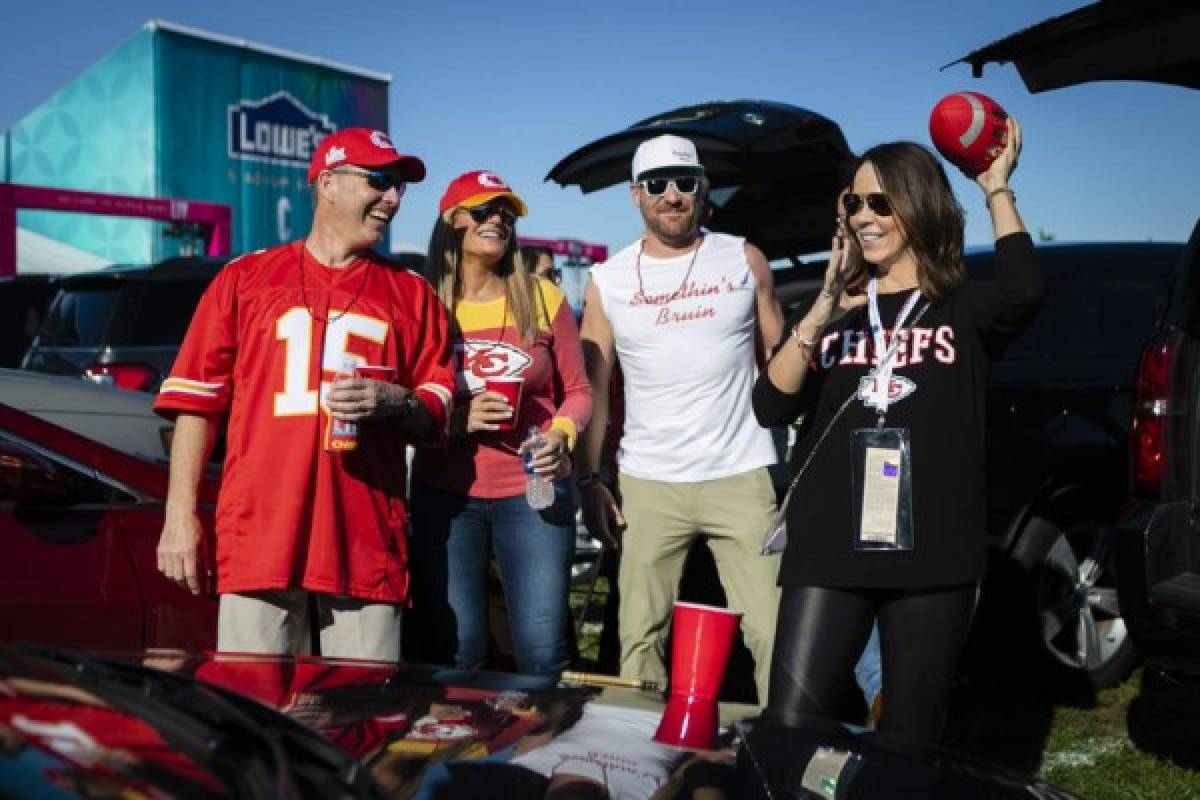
(1070,599)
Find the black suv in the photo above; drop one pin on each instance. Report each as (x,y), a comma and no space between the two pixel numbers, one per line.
(1058,419)
(121,325)
(1158,539)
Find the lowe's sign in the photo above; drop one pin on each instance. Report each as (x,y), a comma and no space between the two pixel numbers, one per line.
(278,129)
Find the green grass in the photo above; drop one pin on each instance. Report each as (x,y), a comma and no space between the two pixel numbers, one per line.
(1127,742)
(589,635)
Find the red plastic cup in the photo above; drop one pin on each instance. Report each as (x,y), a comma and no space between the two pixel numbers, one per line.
(342,436)
(699,654)
(385,374)
(510,388)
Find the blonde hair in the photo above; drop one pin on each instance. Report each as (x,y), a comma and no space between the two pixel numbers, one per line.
(444,271)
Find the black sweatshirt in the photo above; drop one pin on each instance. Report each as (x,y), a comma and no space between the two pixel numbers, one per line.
(944,365)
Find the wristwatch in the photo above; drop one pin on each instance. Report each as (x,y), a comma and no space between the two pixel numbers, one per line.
(410,404)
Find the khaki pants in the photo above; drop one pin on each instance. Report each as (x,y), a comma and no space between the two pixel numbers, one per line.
(278,622)
(663,519)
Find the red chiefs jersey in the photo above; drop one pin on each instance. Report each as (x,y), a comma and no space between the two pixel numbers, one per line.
(266,341)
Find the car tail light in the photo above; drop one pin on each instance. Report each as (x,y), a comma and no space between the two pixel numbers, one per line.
(1151,407)
(137,377)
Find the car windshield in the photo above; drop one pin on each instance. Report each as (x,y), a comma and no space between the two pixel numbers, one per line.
(133,313)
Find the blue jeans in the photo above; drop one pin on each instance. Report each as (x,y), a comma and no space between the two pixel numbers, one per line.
(452,539)
(868,672)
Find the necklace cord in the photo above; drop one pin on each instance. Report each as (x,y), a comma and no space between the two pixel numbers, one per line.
(304,293)
(637,264)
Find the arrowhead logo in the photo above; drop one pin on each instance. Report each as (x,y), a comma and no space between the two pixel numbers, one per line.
(899,387)
(381,140)
(483,358)
(491,180)
(335,155)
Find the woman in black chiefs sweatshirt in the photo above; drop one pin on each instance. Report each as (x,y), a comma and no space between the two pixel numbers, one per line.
(889,368)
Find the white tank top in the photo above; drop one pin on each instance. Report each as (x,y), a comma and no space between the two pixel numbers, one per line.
(687,353)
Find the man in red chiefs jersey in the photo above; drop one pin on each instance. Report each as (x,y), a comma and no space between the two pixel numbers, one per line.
(307,538)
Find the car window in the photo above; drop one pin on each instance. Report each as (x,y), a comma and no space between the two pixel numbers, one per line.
(1097,304)
(1124,302)
(80,317)
(158,312)
(25,303)
(1048,335)
(30,480)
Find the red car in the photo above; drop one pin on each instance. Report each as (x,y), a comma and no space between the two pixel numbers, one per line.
(79,522)
(80,726)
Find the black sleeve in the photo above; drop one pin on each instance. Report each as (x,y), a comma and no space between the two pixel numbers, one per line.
(773,407)
(1005,307)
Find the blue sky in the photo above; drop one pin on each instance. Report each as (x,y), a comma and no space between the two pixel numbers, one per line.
(515,86)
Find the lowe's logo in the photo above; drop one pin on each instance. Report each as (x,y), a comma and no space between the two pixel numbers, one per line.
(278,129)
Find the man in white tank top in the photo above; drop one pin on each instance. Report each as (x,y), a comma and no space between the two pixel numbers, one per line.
(688,315)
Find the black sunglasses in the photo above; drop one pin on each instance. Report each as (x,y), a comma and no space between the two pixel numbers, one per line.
(379,181)
(876,201)
(482,214)
(657,187)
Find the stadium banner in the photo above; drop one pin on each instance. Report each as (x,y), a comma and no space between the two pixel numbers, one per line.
(244,134)
(180,113)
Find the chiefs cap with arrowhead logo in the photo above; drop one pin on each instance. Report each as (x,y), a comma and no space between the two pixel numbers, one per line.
(476,188)
(363,147)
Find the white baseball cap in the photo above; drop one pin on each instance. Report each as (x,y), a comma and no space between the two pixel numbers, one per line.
(666,152)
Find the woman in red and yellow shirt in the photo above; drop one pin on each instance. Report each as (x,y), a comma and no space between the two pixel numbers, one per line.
(468,501)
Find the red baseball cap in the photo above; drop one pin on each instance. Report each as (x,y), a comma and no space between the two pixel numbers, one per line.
(476,188)
(363,147)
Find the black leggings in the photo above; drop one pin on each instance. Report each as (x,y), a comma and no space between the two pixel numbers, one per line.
(822,632)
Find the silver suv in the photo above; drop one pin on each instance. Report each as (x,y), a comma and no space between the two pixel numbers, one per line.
(121,325)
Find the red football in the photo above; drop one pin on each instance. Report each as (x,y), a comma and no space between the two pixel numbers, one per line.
(969,129)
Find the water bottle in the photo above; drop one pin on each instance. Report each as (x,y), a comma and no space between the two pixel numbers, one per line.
(341,436)
(539,489)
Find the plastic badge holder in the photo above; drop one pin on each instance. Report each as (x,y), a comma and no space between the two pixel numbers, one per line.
(881,489)
(830,773)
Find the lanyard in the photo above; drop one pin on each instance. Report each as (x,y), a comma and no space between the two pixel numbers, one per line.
(878,398)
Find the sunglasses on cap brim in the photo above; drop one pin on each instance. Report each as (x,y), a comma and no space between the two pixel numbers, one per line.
(876,201)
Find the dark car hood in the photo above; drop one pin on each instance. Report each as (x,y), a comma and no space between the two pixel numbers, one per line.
(186,726)
(1150,40)
(775,169)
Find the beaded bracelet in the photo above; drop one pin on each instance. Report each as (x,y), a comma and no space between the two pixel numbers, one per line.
(1003,190)
(800,340)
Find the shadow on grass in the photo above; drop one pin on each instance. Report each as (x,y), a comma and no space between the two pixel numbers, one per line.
(1006,720)
(1164,718)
